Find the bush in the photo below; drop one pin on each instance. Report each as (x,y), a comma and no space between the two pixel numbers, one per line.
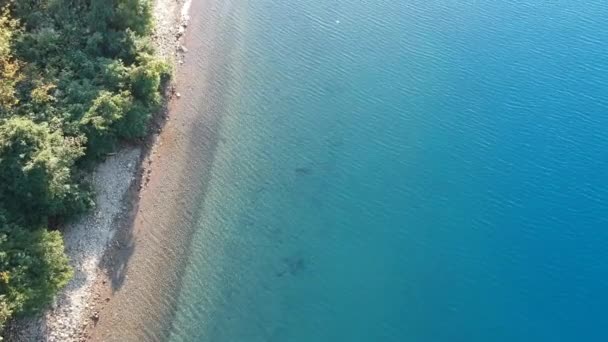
(99,121)
(33,267)
(9,69)
(36,171)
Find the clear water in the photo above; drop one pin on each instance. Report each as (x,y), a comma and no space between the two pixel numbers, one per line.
(406,171)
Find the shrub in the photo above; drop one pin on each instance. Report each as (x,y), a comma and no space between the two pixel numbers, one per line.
(36,171)
(33,267)
(99,121)
(9,68)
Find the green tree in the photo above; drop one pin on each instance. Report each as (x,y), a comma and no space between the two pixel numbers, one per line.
(33,267)
(36,171)
(9,68)
(101,118)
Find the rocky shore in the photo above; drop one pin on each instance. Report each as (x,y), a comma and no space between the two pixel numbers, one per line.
(91,242)
(85,242)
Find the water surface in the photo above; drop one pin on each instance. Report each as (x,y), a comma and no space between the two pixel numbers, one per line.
(405,171)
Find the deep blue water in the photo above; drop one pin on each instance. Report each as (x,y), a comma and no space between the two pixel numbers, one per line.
(406,171)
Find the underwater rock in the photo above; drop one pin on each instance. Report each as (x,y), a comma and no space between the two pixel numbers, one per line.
(293,266)
(303,171)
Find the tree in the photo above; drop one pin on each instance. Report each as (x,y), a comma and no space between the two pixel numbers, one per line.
(8,66)
(33,267)
(36,171)
(100,120)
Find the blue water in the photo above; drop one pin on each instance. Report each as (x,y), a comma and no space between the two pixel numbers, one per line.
(406,171)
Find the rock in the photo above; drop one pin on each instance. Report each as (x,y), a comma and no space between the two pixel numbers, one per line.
(178,95)
(182,49)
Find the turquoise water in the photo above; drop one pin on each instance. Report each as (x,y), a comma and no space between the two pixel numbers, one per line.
(406,171)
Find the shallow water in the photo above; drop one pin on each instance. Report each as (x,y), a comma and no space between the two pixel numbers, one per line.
(405,171)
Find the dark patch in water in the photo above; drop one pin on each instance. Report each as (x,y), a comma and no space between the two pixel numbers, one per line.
(260,189)
(303,171)
(293,266)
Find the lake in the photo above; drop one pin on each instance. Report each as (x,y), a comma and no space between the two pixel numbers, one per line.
(404,171)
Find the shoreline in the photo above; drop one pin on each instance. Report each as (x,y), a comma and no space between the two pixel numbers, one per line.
(94,241)
(144,276)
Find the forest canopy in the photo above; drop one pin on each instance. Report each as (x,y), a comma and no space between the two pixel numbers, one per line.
(76,78)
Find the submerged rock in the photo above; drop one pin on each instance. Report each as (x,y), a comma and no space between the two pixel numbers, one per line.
(303,171)
(293,266)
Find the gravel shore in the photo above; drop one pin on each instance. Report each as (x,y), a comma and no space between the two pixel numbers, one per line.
(87,240)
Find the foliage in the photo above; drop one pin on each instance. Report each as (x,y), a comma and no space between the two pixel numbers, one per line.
(76,78)
(35,171)
(33,267)
(8,67)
